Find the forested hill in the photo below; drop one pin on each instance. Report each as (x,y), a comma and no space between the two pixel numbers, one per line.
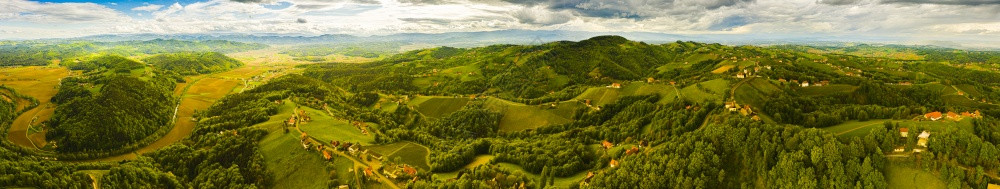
(714,116)
(190,63)
(27,53)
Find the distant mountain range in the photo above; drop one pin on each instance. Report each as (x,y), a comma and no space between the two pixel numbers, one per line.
(482,38)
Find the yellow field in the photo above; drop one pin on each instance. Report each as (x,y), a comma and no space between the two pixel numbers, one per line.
(41,83)
(723,69)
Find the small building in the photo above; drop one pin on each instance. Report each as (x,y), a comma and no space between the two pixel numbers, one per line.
(327,155)
(613,163)
(953,116)
(409,170)
(904,132)
(782,80)
(933,116)
(805,84)
(607,145)
(632,150)
(650,80)
(922,141)
(741,75)
(732,106)
(616,85)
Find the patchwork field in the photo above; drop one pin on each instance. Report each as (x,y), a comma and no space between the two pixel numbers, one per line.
(326,128)
(517,116)
(437,106)
(710,91)
(40,83)
(408,153)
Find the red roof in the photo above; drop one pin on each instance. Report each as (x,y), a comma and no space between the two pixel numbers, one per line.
(933,115)
(904,130)
(409,170)
(607,144)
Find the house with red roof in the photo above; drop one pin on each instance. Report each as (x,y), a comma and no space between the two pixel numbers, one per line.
(933,116)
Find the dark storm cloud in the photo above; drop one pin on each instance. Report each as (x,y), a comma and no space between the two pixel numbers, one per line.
(946,2)
(301,20)
(634,9)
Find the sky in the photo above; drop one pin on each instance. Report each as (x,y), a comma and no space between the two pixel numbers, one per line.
(964,21)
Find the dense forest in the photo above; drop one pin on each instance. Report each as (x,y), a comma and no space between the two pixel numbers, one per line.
(126,110)
(191,63)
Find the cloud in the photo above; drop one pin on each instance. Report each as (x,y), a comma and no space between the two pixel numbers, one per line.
(300,20)
(148,8)
(425,2)
(633,9)
(838,2)
(30,11)
(540,16)
(946,2)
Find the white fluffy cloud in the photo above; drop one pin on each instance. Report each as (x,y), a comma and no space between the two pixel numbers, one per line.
(908,18)
(148,8)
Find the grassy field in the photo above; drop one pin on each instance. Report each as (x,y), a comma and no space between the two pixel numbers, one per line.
(666,91)
(755,91)
(517,116)
(408,152)
(714,90)
(723,69)
(855,128)
(290,165)
(40,83)
(437,106)
(479,160)
(599,96)
(559,181)
(326,128)
(899,176)
(826,90)
(860,129)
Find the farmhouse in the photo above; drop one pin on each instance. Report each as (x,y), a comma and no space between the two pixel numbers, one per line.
(614,86)
(933,116)
(953,116)
(922,141)
(805,84)
(904,132)
(613,163)
(650,80)
(326,155)
(607,145)
(732,106)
